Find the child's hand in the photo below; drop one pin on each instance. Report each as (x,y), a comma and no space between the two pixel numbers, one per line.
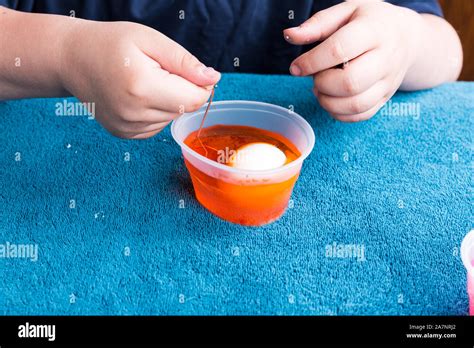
(139,79)
(378,41)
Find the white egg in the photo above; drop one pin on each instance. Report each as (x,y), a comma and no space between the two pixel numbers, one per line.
(258,156)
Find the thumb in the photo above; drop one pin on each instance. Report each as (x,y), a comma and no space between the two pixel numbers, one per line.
(321,25)
(175,59)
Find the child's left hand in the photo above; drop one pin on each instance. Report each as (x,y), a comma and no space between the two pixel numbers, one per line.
(378,41)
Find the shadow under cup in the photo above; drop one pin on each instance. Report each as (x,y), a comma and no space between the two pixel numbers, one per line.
(245,197)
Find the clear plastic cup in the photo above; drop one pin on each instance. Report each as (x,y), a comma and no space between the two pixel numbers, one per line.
(238,195)
(467,256)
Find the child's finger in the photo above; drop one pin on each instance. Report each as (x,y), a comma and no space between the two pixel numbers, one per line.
(356,104)
(160,118)
(355,78)
(362,116)
(347,43)
(124,132)
(321,25)
(176,95)
(147,135)
(175,59)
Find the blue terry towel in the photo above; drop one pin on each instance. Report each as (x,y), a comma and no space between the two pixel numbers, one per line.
(374,226)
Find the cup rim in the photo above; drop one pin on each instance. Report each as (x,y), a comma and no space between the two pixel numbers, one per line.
(310,135)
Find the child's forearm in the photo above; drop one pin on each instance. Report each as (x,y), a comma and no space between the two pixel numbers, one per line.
(439,57)
(30,56)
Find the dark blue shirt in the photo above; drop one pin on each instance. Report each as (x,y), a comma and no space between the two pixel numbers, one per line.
(218,32)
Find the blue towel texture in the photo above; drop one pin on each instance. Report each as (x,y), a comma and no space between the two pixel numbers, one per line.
(95,225)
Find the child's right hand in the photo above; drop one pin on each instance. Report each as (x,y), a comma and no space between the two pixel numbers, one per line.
(139,79)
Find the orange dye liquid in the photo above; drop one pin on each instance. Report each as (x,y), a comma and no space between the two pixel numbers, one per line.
(253,204)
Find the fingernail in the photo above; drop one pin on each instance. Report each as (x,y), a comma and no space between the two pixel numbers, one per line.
(295,70)
(210,73)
